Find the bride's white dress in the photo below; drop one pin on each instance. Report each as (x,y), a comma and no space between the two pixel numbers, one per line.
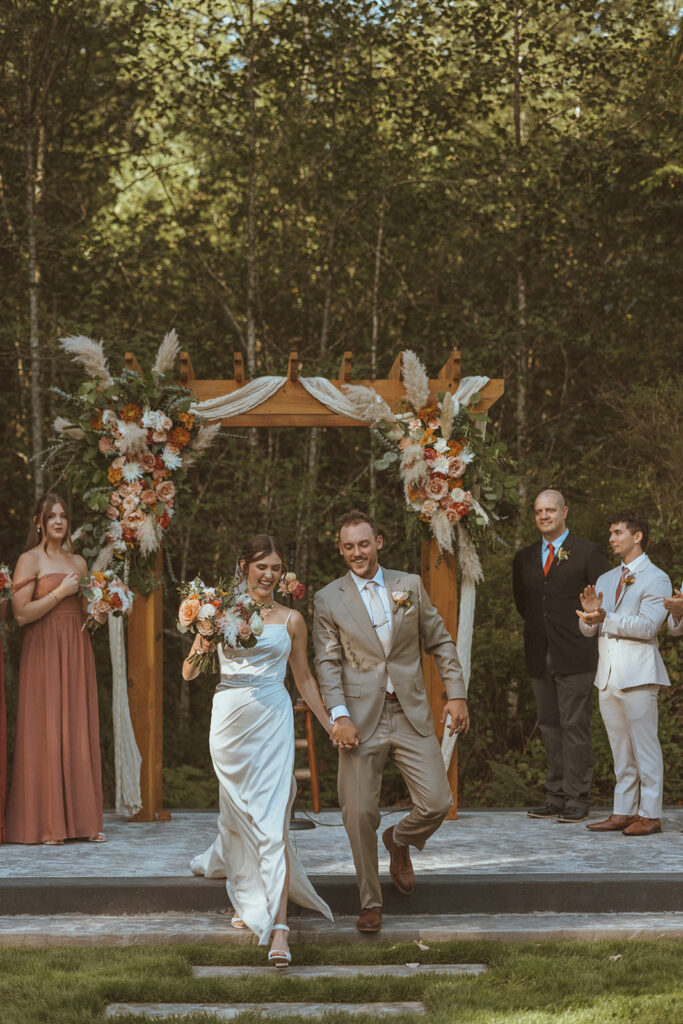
(252,747)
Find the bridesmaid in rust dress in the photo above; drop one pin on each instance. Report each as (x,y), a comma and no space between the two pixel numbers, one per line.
(56,788)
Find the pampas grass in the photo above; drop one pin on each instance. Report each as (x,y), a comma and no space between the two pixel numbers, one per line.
(89,354)
(133,437)
(62,426)
(468,557)
(414,468)
(368,405)
(450,407)
(442,530)
(205,437)
(148,535)
(104,559)
(167,354)
(415,380)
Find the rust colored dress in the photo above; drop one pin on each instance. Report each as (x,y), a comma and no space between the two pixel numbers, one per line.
(56,787)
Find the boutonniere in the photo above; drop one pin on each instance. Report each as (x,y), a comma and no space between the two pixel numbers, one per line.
(629,579)
(562,555)
(402,598)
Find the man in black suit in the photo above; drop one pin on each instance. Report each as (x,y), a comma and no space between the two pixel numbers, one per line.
(548,577)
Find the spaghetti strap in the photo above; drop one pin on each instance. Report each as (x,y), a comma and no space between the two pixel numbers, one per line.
(289,616)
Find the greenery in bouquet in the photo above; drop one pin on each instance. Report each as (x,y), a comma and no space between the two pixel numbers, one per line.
(106,595)
(452,477)
(5,583)
(124,446)
(222,614)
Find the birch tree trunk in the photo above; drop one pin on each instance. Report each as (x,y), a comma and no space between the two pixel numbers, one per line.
(373,347)
(251,202)
(35,164)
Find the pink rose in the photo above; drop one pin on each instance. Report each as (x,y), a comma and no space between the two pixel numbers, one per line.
(433,423)
(133,519)
(453,516)
(429,508)
(244,631)
(101,607)
(188,610)
(205,627)
(161,474)
(149,498)
(106,445)
(299,591)
(146,462)
(404,443)
(467,498)
(158,436)
(130,504)
(456,467)
(112,512)
(136,488)
(118,463)
(436,488)
(165,491)
(165,423)
(414,426)
(115,498)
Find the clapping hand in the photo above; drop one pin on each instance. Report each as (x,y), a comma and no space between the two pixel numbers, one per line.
(593,613)
(674,604)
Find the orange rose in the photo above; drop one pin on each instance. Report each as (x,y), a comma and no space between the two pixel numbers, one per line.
(188,610)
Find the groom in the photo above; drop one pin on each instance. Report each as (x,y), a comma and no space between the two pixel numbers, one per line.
(367,631)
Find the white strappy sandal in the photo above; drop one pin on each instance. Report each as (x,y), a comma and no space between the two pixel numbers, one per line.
(238,923)
(279,957)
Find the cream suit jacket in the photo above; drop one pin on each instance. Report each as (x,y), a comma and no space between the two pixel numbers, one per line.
(628,654)
(350,662)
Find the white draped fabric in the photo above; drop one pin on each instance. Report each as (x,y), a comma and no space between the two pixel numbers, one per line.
(258,391)
(252,747)
(127,759)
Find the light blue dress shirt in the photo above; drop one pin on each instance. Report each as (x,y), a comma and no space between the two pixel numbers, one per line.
(557,544)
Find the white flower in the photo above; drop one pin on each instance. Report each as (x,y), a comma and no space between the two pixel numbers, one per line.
(171,459)
(399,595)
(96,593)
(207,611)
(440,464)
(256,624)
(441,444)
(467,455)
(457,494)
(151,418)
(132,471)
(243,599)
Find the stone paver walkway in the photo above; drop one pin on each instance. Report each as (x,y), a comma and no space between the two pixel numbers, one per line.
(227,1011)
(342,971)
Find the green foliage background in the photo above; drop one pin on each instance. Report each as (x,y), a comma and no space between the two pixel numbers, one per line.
(324,175)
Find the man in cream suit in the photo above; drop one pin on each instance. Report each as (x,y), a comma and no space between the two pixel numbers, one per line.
(625,608)
(367,631)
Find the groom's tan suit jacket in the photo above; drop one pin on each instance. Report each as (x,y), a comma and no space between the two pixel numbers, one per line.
(351,665)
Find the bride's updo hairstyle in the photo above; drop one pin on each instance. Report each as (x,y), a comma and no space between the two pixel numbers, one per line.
(256,547)
(37,531)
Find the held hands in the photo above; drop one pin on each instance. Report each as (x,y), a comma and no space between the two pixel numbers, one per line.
(459,715)
(674,604)
(69,586)
(344,735)
(593,613)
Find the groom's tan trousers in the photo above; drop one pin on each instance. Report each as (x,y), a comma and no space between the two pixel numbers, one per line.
(360,779)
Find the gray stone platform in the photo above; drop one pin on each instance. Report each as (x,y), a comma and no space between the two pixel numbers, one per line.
(486,862)
(228,1011)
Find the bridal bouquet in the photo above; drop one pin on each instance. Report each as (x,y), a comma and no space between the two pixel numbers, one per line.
(5,583)
(220,614)
(106,595)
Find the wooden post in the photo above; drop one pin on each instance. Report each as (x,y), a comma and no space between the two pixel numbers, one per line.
(440,580)
(145,696)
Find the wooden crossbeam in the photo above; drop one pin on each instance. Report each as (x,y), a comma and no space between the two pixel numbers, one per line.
(345,368)
(396,368)
(452,369)
(293,367)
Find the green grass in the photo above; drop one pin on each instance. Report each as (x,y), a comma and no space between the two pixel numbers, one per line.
(534,983)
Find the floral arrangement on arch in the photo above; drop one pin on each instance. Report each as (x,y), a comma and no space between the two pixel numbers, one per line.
(126,443)
(441,455)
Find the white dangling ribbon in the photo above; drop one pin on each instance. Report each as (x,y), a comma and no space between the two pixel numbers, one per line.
(127,759)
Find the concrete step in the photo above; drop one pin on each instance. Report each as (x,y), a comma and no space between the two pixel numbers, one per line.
(343,971)
(227,1011)
(579,893)
(176,929)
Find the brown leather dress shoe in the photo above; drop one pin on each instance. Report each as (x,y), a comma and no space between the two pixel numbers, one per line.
(615,823)
(400,866)
(643,827)
(370,920)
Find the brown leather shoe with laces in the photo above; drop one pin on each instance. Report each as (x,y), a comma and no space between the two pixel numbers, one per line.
(370,919)
(643,827)
(400,866)
(615,823)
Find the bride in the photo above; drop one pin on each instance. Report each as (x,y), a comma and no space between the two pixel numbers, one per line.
(252,747)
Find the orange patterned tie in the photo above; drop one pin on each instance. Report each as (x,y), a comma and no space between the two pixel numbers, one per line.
(620,584)
(549,560)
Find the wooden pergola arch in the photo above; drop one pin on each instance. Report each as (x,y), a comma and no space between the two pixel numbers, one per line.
(291,406)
